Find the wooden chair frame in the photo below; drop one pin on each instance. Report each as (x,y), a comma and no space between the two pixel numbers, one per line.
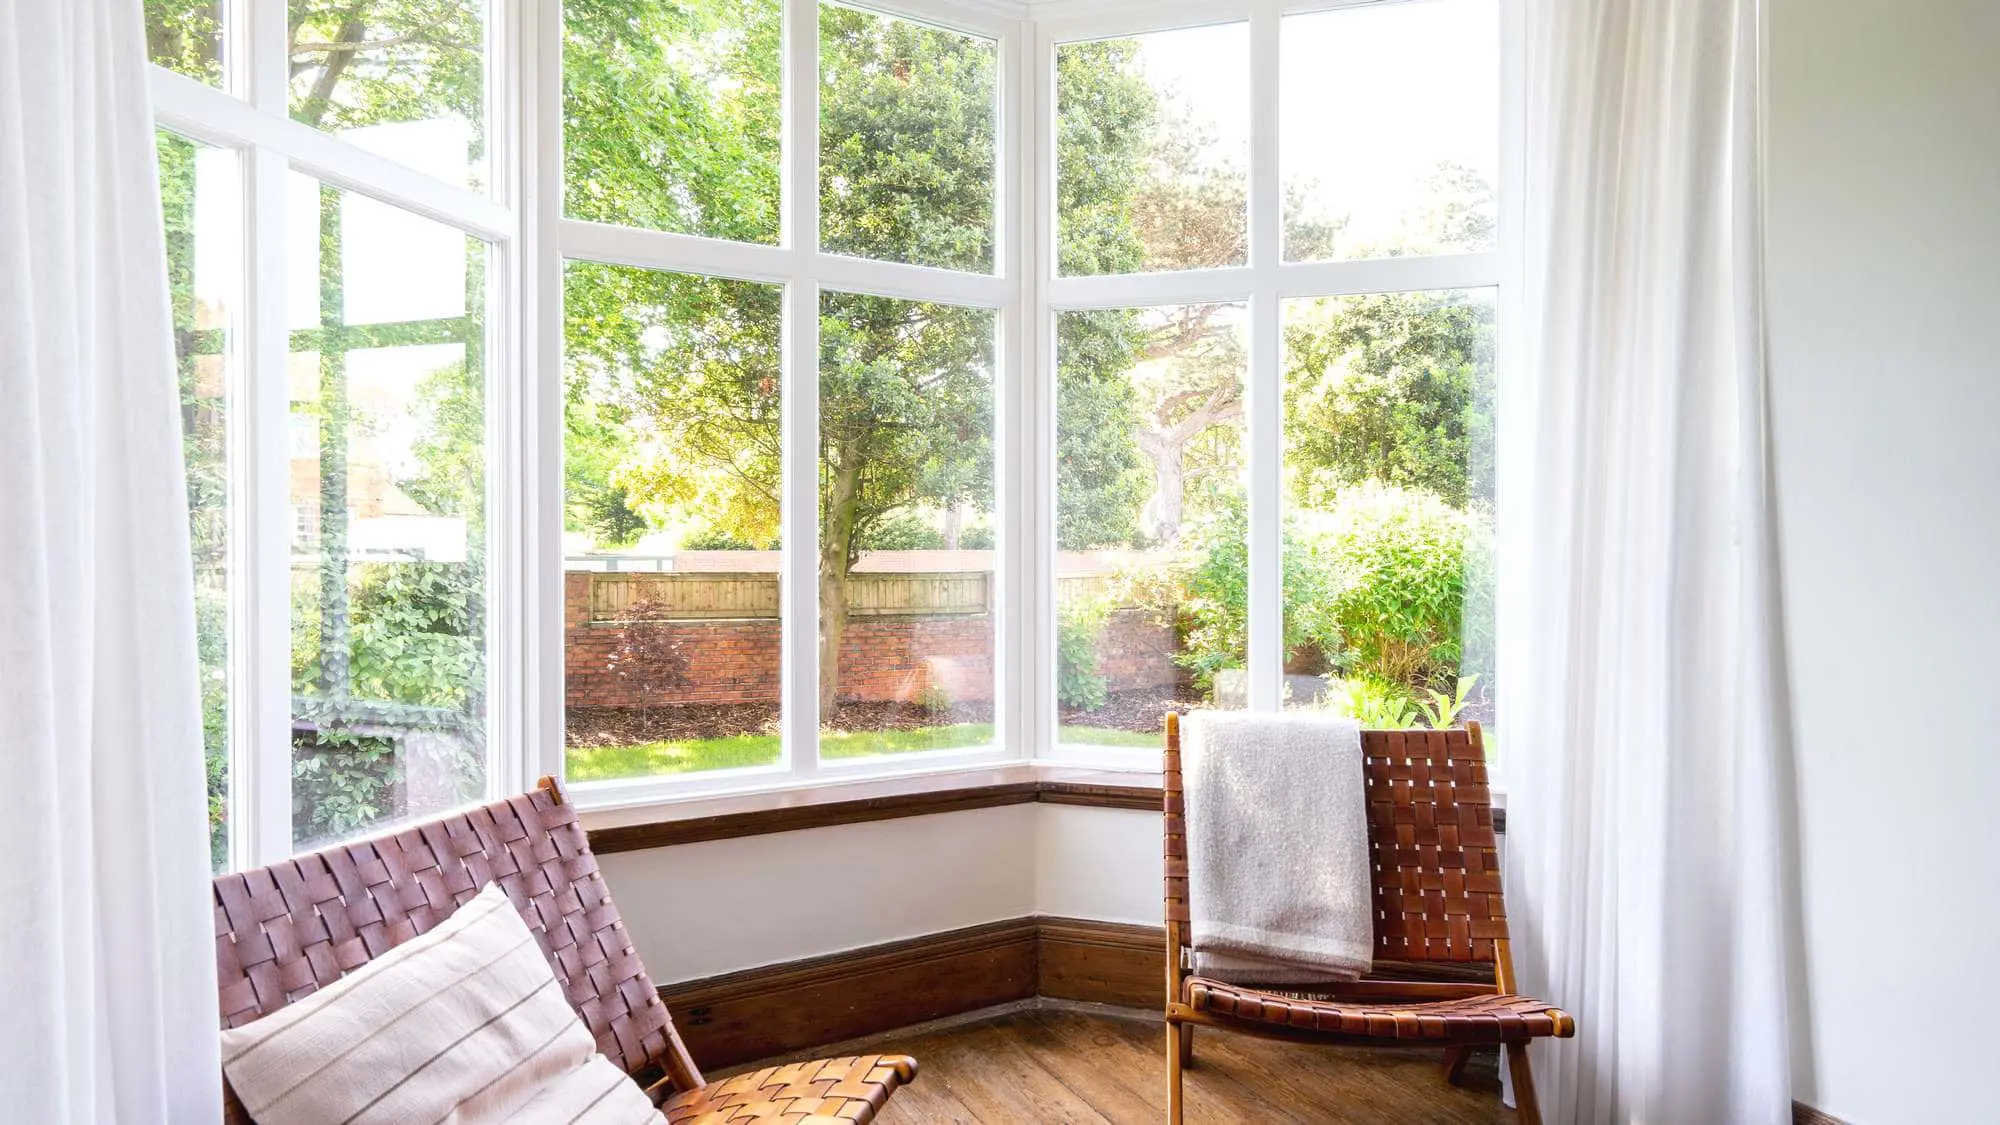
(1437,898)
(283,931)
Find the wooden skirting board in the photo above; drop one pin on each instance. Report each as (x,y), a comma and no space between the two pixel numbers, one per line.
(784,1009)
(763,1012)
(777,1009)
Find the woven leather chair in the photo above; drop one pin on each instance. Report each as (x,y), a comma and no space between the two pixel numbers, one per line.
(283,931)
(1436,896)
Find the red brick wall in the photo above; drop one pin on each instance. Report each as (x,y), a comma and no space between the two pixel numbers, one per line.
(895,659)
(1136,651)
(882,659)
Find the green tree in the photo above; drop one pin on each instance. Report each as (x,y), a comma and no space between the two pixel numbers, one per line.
(1395,388)
(905,387)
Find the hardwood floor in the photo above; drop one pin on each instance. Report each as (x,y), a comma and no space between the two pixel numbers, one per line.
(1057,1065)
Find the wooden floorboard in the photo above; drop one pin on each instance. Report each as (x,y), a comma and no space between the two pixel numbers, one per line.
(1060,1065)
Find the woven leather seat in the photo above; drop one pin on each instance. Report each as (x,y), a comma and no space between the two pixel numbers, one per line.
(283,931)
(1436,897)
(1465,1019)
(826,1092)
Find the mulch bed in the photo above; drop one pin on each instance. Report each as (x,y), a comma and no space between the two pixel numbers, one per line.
(1144,712)
(628,726)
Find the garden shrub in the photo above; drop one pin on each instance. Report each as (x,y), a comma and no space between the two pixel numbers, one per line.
(1396,561)
(1375,580)
(1079,624)
(1375,704)
(1214,596)
(415,655)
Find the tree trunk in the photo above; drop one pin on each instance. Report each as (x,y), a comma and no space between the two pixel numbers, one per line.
(836,559)
(1167,446)
(954,525)
(1168,454)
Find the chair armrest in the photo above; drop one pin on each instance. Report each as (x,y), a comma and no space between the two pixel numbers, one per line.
(660,1091)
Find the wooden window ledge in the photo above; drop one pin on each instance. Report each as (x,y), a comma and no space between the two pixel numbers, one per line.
(789,810)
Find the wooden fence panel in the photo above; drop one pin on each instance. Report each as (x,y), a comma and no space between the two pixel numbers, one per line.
(682,597)
(623,597)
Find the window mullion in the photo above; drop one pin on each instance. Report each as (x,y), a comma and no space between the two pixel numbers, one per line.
(261,688)
(1034,248)
(265,46)
(1264,398)
(799,394)
(540,274)
(524,448)
(1024,608)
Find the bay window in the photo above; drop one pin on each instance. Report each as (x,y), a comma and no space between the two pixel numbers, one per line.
(712,396)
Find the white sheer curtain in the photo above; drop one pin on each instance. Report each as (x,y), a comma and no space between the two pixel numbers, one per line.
(1644,728)
(107,969)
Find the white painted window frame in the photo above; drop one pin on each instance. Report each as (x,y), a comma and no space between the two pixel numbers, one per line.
(250,115)
(799,264)
(1263,284)
(520,217)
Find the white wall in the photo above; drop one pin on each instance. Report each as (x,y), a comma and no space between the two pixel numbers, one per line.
(1884,256)
(696,910)
(700,909)
(1102,864)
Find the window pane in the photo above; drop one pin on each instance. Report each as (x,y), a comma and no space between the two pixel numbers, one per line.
(403,79)
(1153,139)
(906,526)
(388,492)
(671,631)
(200,194)
(671,115)
(1389,506)
(187,37)
(906,141)
(1390,129)
(1152,537)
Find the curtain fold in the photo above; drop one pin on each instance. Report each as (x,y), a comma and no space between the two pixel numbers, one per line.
(107,972)
(1643,723)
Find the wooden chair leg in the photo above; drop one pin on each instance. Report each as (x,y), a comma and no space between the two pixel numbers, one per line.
(1526,1108)
(1454,1063)
(1187,1045)
(1174,1048)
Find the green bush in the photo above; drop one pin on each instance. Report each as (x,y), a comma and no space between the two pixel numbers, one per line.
(1079,684)
(1375,704)
(1375,581)
(1214,596)
(1396,562)
(415,641)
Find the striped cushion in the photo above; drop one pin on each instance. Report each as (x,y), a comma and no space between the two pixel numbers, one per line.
(463,1024)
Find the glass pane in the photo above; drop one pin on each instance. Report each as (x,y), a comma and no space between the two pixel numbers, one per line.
(388,493)
(187,37)
(404,79)
(1152,535)
(1389,506)
(906,141)
(671,115)
(201,198)
(906,526)
(1153,139)
(1389,129)
(671,632)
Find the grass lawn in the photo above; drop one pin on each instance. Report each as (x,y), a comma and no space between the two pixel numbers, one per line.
(1108,736)
(692,755)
